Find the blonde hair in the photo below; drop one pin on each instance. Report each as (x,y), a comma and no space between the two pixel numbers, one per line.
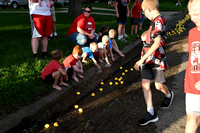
(150,4)
(105,38)
(57,54)
(112,31)
(77,50)
(93,44)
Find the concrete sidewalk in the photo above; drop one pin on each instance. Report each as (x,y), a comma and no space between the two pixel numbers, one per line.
(50,104)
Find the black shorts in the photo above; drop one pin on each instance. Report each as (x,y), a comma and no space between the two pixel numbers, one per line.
(135,21)
(49,79)
(69,72)
(150,74)
(122,20)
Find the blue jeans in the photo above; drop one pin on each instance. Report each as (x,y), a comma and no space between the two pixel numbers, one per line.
(82,40)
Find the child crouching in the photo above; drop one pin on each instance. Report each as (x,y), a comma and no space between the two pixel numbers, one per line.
(73,65)
(53,71)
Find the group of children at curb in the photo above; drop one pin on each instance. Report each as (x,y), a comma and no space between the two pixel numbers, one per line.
(152,63)
(71,68)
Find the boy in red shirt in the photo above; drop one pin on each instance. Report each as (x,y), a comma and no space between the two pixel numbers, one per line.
(53,72)
(73,65)
(192,75)
(153,61)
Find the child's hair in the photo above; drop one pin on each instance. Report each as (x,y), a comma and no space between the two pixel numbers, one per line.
(57,54)
(87,6)
(104,27)
(93,44)
(150,4)
(77,50)
(143,36)
(112,31)
(105,38)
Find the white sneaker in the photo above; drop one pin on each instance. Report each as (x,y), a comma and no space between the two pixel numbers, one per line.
(51,35)
(55,34)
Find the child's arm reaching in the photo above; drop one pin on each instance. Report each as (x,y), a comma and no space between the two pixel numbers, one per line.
(95,62)
(153,48)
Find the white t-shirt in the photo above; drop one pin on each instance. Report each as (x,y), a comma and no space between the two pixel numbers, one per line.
(34,8)
(100,45)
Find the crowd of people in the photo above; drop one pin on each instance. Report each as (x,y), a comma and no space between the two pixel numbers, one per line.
(99,47)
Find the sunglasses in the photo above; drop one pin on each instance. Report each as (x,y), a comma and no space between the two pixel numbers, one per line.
(87,11)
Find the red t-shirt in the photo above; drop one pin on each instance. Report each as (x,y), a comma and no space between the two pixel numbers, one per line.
(69,61)
(50,68)
(192,75)
(87,24)
(136,10)
(158,58)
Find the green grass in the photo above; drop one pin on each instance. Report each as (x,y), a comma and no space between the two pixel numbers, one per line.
(20,82)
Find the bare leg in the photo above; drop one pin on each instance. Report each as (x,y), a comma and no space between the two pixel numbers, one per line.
(192,123)
(136,29)
(147,92)
(74,76)
(61,81)
(116,49)
(123,29)
(54,26)
(84,57)
(120,30)
(132,28)
(161,87)
(56,75)
(79,65)
(44,43)
(35,44)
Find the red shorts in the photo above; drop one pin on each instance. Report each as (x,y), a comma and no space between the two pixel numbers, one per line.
(96,54)
(43,24)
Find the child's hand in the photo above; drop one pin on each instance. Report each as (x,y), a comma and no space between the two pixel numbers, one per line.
(138,64)
(197,85)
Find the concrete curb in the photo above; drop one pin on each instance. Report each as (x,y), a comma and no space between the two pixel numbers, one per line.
(49,105)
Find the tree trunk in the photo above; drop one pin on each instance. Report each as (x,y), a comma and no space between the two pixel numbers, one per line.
(75,7)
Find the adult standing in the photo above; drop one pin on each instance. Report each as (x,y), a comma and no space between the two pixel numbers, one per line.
(53,14)
(41,22)
(82,30)
(122,11)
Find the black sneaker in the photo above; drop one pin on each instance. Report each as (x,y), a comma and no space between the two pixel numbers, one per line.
(167,101)
(148,118)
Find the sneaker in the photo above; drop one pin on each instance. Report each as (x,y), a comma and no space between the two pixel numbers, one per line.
(167,101)
(148,118)
(125,36)
(51,35)
(55,34)
(123,40)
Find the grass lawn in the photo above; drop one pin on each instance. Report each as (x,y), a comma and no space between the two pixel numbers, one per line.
(20,82)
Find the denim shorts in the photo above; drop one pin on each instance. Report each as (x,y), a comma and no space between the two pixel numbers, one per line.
(149,73)
(192,102)
(78,38)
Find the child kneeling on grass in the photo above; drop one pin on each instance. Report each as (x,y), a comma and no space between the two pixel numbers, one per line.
(53,71)
(88,52)
(73,65)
